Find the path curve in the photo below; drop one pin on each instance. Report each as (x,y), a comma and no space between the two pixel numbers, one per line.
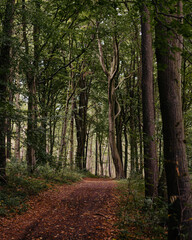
(85,210)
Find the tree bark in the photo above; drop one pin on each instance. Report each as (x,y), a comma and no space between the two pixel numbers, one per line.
(150,150)
(112,139)
(109,160)
(126,151)
(8,120)
(81,119)
(71,135)
(178,181)
(111,103)
(18,125)
(64,127)
(31,82)
(5,62)
(96,156)
(100,158)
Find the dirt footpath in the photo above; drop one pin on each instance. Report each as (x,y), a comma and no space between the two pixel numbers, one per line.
(85,210)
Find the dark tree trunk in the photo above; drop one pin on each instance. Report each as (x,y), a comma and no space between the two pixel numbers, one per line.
(31,82)
(31,126)
(64,128)
(132,118)
(86,149)
(126,152)
(5,61)
(150,151)
(100,158)
(178,181)
(81,120)
(112,139)
(71,135)
(42,152)
(9,121)
(18,127)
(132,140)
(119,128)
(96,156)
(109,160)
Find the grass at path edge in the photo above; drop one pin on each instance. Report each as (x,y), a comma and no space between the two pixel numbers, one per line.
(20,185)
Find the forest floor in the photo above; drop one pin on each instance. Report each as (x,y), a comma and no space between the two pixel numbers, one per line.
(85,210)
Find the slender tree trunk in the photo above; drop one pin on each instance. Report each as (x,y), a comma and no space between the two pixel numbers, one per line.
(100,158)
(114,151)
(5,62)
(111,101)
(64,127)
(42,148)
(109,160)
(52,126)
(96,156)
(119,128)
(132,141)
(81,120)
(178,181)
(9,121)
(31,155)
(126,151)
(150,151)
(71,136)
(139,117)
(86,149)
(132,124)
(31,82)
(18,125)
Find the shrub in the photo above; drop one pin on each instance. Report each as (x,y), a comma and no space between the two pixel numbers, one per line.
(140,218)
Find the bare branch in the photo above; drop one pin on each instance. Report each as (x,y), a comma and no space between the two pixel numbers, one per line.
(119,108)
(115,62)
(101,57)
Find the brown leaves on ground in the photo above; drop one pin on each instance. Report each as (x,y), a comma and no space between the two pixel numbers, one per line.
(85,210)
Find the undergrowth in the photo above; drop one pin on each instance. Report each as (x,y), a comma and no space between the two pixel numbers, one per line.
(139,218)
(20,185)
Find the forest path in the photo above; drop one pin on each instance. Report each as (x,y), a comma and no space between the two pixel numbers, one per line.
(85,210)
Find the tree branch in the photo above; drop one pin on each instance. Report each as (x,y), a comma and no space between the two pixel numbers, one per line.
(119,107)
(115,62)
(101,57)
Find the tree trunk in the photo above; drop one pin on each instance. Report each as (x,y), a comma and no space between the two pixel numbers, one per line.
(81,120)
(178,181)
(5,62)
(119,128)
(150,151)
(18,125)
(86,149)
(64,127)
(111,100)
(126,152)
(71,135)
(114,151)
(100,158)
(96,156)
(132,140)
(109,160)
(9,121)
(90,150)
(31,139)
(31,76)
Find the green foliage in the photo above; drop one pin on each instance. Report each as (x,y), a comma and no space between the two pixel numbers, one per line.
(140,218)
(20,186)
(55,175)
(13,196)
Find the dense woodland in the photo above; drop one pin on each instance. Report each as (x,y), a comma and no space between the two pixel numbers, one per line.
(103,86)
